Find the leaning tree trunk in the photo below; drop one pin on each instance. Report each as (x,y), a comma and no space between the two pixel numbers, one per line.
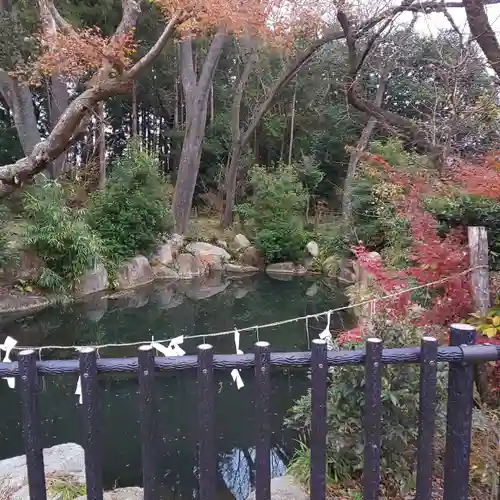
(360,147)
(197,108)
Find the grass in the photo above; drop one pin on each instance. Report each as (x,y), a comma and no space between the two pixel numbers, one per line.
(65,486)
(204,228)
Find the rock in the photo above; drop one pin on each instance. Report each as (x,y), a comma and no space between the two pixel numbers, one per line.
(26,268)
(164,255)
(177,242)
(222,243)
(203,290)
(121,494)
(93,281)
(131,298)
(212,262)
(286,268)
(135,272)
(312,290)
(241,242)
(308,262)
(285,488)
(64,461)
(189,266)
(13,302)
(239,268)
(198,247)
(252,257)
(313,248)
(95,307)
(162,272)
(167,296)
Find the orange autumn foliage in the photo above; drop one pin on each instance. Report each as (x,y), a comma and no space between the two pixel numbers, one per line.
(79,52)
(76,53)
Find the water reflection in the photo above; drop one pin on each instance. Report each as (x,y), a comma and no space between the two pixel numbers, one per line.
(167,310)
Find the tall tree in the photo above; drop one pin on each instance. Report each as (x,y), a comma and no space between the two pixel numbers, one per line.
(196,95)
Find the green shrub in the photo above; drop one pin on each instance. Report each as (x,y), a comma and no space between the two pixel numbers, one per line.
(132,211)
(59,236)
(276,212)
(400,385)
(394,153)
(281,241)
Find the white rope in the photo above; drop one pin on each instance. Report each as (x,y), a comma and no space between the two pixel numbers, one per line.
(255,327)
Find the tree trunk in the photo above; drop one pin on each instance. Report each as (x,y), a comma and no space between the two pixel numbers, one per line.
(59,100)
(20,102)
(292,124)
(360,147)
(102,146)
(231,174)
(197,108)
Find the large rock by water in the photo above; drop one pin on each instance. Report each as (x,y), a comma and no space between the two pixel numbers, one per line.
(11,302)
(162,272)
(285,488)
(286,268)
(64,461)
(200,247)
(241,242)
(27,267)
(164,255)
(189,266)
(93,281)
(240,269)
(252,257)
(135,272)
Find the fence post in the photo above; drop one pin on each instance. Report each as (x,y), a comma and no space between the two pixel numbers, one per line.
(480,286)
(263,445)
(427,416)
(91,423)
(32,424)
(459,419)
(207,454)
(319,372)
(148,420)
(372,419)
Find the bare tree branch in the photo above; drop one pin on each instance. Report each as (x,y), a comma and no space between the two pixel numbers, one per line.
(407,127)
(14,175)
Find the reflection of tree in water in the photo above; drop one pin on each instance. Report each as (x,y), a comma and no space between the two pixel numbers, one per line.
(238,470)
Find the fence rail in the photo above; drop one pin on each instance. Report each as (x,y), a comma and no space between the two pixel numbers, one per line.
(461,355)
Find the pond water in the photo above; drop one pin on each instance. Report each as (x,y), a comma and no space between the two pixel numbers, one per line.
(163,311)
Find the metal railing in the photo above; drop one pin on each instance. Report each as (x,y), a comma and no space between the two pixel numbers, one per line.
(461,355)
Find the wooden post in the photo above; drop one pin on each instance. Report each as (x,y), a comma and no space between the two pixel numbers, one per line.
(478,258)
(480,285)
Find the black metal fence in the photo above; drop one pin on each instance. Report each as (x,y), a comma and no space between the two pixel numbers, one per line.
(460,355)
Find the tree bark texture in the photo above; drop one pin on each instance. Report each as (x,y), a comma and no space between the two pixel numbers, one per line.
(196,97)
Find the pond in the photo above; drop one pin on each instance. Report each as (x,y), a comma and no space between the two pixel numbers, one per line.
(163,311)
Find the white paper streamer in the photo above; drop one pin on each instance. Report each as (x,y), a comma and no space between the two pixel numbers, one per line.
(326,334)
(235,373)
(78,390)
(173,348)
(7,346)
